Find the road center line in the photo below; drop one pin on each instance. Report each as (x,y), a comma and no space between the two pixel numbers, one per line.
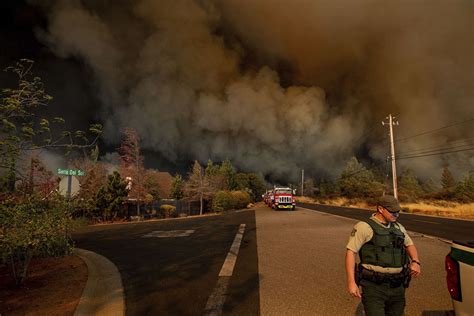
(229,263)
(216,301)
(418,220)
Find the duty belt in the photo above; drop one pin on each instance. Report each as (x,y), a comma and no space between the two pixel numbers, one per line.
(394,279)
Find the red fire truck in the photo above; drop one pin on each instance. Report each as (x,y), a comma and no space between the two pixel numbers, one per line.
(283,198)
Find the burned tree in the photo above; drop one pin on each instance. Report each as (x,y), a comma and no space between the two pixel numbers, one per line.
(131,165)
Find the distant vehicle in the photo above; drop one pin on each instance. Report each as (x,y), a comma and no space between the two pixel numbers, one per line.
(283,198)
(459,266)
(267,197)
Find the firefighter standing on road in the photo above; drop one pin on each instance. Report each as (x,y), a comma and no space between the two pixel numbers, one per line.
(388,259)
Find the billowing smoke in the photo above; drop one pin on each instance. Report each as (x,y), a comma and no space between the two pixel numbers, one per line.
(273,85)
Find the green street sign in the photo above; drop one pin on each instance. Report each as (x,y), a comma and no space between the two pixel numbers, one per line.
(71,172)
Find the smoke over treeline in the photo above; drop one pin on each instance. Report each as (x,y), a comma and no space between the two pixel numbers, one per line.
(275,85)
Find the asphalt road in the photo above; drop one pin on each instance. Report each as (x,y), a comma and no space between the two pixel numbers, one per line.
(449,229)
(289,263)
(176,275)
(301,266)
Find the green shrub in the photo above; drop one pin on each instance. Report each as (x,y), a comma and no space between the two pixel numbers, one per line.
(225,200)
(222,201)
(168,210)
(240,199)
(33,227)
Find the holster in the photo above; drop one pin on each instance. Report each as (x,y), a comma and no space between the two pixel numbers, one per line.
(406,276)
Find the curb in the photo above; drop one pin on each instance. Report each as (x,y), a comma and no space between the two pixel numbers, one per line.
(103,293)
(156,220)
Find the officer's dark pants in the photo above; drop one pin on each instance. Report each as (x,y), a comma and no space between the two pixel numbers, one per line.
(382,299)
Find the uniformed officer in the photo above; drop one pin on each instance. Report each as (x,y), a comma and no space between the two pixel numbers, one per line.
(388,259)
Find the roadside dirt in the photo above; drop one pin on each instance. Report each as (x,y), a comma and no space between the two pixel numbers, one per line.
(54,287)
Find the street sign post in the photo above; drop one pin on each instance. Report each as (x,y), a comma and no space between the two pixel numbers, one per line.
(70,173)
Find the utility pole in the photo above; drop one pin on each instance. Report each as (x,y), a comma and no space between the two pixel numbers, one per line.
(391,123)
(302,182)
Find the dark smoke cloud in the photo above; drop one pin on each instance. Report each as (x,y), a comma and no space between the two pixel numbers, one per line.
(199,79)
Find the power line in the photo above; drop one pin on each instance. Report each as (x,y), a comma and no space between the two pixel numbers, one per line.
(434,130)
(434,149)
(434,154)
(457,142)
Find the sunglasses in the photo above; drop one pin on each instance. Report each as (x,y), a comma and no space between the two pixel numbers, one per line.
(394,214)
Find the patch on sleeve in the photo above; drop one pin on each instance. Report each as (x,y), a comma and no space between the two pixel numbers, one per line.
(354,231)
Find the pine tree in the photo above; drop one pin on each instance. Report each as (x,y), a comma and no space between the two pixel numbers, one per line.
(215,176)
(177,187)
(227,170)
(211,169)
(447,180)
(111,196)
(357,181)
(409,184)
(429,186)
(465,189)
(251,183)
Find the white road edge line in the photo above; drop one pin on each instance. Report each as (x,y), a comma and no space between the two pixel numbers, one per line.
(216,300)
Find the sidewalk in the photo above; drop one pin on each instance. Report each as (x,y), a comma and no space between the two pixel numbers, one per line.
(103,293)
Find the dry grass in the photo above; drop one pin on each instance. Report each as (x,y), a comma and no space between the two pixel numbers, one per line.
(341,201)
(441,208)
(436,207)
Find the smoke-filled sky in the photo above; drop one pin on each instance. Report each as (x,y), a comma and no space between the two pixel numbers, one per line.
(273,85)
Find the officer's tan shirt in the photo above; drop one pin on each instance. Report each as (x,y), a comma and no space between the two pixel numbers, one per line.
(362,233)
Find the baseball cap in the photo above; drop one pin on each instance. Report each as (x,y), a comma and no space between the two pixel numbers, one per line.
(390,203)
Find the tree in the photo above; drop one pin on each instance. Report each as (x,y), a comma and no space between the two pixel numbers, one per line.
(33,226)
(131,165)
(465,189)
(214,176)
(152,185)
(429,186)
(309,188)
(37,180)
(409,185)
(110,197)
(251,183)
(177,187)
(23,129)
(227,170)
(95,177)
(327,188)
(211,169)
(34,222)
(198,185)
(447,180)
(357,181)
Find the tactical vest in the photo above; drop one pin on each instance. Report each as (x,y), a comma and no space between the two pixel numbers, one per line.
(386,248)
